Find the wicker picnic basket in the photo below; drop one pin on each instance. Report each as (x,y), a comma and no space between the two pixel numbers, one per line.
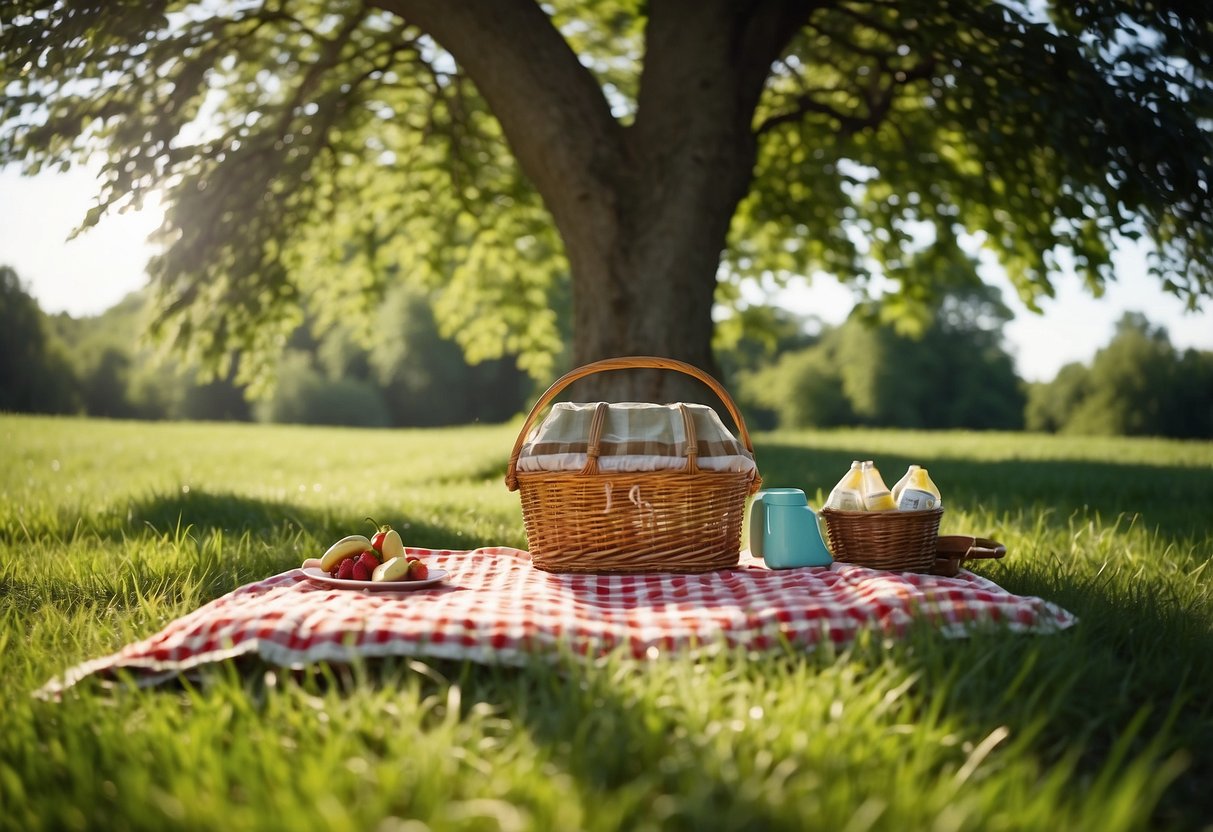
(899,541)
(591,520)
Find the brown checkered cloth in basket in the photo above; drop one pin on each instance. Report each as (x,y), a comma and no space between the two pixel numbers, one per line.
(635,437)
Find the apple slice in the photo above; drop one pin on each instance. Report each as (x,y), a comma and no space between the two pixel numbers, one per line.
(393,569)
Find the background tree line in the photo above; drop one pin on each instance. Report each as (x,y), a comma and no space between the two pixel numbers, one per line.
(400,374)
(785,371)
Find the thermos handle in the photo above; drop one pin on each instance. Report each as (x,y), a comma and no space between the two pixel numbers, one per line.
(758,525)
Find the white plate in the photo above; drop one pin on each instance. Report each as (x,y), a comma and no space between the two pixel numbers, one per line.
(315,573)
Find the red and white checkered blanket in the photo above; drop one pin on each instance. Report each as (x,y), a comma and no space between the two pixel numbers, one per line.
(496,608)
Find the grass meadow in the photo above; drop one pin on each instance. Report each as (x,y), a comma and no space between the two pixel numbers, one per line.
(109,530)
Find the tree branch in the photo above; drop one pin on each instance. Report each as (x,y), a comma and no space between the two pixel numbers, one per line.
(550,107)
(878,103)
(768,32)
(330,55)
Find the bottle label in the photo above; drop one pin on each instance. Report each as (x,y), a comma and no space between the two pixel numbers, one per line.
(845,501)
(913,499)
(880,501)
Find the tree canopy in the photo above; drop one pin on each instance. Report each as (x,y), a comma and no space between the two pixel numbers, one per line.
(611,171)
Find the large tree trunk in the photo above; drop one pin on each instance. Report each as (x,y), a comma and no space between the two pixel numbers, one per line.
(643,210)
(644,284)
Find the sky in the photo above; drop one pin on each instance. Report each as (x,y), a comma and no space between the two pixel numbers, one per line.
(97,269)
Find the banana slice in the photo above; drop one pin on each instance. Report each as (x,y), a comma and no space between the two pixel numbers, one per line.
(396,569)
(346,547)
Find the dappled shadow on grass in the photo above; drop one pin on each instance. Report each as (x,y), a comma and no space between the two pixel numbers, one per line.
(174,516)
(178,550)
(491,470)
(1118,692)
(168,515)
(1126,687)
(273,536)
(204,512)
(1171,499)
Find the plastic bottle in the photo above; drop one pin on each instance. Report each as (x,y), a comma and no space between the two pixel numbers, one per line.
(900,485)
(848,493)
(920,493)
(876,495)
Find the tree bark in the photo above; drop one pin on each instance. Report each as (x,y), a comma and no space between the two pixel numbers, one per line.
(643,210)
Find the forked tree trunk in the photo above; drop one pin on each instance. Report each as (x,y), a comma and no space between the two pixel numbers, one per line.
(649,286)
(646,284)
(643,209)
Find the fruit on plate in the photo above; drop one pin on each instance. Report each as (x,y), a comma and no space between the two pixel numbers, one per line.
(393,546)
(347,547)
(386,541)
(395,569)
(379,558)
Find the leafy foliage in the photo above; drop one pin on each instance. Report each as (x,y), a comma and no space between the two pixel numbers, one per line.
(955,375)
(273,134)
(909,125)
(98,366)
(119,376)
(1049,405)
(1137,385)
(303,396)
(315,153)
(34,373)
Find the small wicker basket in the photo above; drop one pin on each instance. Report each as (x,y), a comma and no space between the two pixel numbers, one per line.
(899,541)
(654,521)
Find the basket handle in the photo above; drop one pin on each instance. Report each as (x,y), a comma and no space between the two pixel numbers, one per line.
(985,548)
(594,444)
(650,362)
(969,547)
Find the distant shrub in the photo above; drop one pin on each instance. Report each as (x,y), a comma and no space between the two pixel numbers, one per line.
(1138,385)
(304,396)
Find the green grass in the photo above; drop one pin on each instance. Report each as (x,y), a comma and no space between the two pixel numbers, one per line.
(109,530)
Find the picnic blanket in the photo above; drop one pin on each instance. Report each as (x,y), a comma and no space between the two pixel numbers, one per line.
(496,608)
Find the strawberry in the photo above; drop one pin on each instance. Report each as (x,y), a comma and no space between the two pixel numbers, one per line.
(361,573)
(346,570)
(368,560)
(381,530)
(418,571)
(377,541)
